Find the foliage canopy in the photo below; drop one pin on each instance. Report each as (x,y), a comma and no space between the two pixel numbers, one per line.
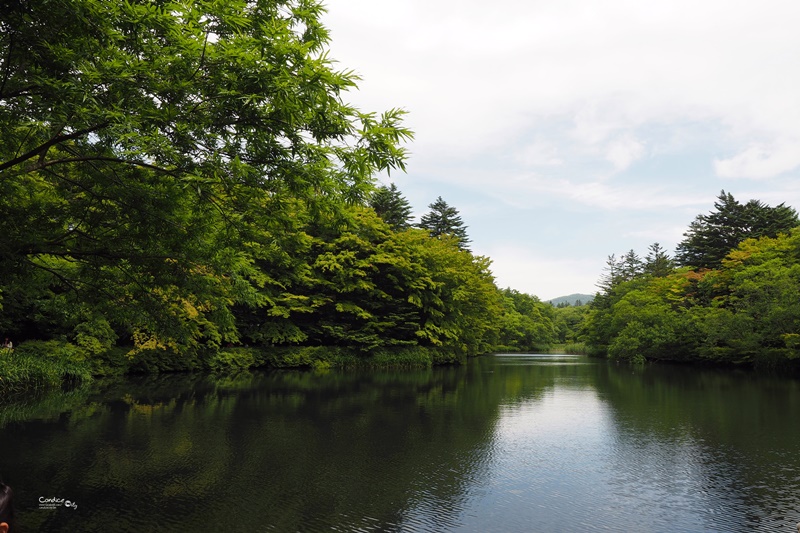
(143,145)
(186,176)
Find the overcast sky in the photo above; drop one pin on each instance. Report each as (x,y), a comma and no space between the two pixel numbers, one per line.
(567,130)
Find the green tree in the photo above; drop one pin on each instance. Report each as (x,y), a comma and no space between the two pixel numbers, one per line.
(363,276)
(613,274)
(363,286)
(744,311)
(142,144)
(525,325)
(740,308)
(632,265)
(710,237)
(461,310)
(443,219)
(754,314)
(568,322)
(392,207)
(657,263)
(650,321)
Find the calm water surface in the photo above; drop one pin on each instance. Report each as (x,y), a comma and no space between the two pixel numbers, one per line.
(506,443)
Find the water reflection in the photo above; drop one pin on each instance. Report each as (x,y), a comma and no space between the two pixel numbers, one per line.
(507,443)
(283,451)
(728,442)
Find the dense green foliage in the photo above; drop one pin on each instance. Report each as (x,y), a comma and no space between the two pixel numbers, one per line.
(526,324)
(746,310)
(568,322)
(145,146)
(180,178)
(367,286)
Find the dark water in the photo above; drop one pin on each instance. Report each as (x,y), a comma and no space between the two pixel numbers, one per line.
(508,443)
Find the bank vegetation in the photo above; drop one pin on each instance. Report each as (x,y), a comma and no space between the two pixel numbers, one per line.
(183,185)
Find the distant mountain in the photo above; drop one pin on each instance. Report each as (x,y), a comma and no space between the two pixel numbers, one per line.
(572,299)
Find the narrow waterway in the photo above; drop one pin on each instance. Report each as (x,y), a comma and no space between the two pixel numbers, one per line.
(506,443)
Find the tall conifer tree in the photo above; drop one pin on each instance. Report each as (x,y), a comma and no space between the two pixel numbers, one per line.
(392,207)
(710,237)
(443,219)
(657,263)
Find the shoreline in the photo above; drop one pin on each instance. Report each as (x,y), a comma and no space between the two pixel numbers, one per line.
(42,365)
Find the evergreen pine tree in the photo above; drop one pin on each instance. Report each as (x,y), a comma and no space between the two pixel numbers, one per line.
(632,265)
(612,274)
(710,237)
(392,207)
(657,263)
(443,219)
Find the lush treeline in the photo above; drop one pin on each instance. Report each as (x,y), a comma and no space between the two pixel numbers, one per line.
(730,295)
(187,177)
(350,282)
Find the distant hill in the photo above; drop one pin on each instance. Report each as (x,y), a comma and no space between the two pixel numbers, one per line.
(572,299)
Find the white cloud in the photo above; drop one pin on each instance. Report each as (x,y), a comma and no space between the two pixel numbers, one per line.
(474,76)
(623,152)
(631,114)
(539,153)
(597,194)
(760,161)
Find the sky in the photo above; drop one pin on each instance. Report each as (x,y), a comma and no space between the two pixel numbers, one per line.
(566,131)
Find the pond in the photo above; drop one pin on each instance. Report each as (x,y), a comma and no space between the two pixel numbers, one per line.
(506,443)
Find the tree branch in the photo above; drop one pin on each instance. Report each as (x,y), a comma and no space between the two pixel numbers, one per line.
(45,164)
(49,144)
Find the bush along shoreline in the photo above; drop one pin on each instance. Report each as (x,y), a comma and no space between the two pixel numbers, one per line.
(42,365)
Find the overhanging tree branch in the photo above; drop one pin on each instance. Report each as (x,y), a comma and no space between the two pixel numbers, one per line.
(49,144)
(45,164)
